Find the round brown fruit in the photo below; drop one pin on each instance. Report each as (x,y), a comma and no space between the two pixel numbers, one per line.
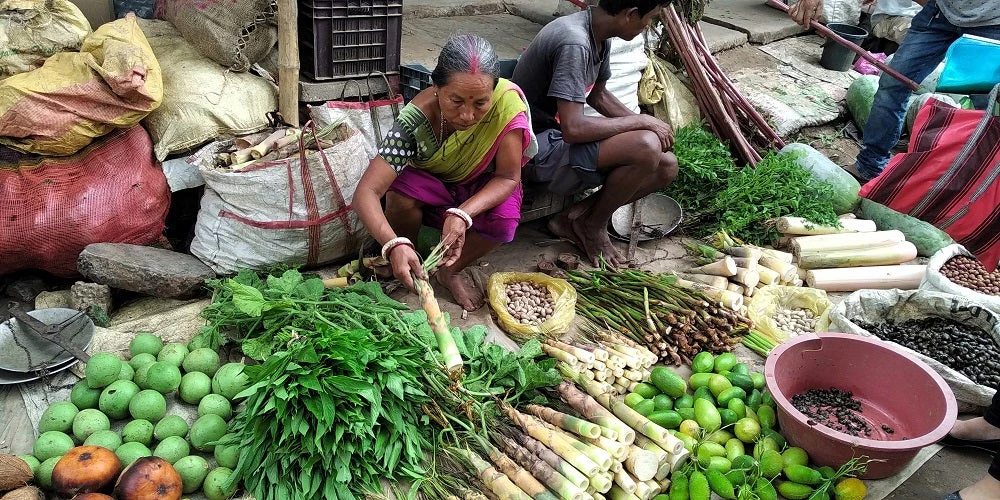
(149,478)
(85,469)
(25,493)
(14,472)
(93,496)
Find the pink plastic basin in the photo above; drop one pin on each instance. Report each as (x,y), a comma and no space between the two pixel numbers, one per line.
(895,389)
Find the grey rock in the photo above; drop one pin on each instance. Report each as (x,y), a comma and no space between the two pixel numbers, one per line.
(151,271)
(83,295)
(25,289)
(58,298)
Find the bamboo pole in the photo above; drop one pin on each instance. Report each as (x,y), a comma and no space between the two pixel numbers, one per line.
(288,61)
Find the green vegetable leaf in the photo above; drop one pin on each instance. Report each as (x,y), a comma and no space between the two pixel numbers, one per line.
(286,283)
(247,299)
(530,350)
(311,289)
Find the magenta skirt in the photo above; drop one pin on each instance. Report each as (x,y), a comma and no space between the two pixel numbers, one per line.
(497,224)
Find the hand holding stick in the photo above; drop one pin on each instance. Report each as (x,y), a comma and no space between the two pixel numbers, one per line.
(828,33)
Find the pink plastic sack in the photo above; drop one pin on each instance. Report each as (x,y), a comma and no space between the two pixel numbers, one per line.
(866,68)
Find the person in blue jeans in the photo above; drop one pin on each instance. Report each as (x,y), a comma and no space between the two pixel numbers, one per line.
(932,31)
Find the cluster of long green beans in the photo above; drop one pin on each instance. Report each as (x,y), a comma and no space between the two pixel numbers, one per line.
(675,323)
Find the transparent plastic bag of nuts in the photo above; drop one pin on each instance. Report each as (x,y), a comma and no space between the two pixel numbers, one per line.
(563,305)
(763,307)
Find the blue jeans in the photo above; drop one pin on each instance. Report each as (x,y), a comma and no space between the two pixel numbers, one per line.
(922,50)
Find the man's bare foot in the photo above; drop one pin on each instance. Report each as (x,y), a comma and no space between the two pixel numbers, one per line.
(465,295)
(596,242)
(976,429)
(987,488)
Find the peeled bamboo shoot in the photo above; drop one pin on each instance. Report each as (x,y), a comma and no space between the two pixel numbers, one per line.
(746,262)
(906,277)
(846,241)
(641,463)
(785,257)
(712,281)
(725,297)
(625,481)
(725,268)
(564,421)
(767,276)
(616,493)
(581,355)
(878,256)
(747,277)
(800,226)
(735,288)
(785,270)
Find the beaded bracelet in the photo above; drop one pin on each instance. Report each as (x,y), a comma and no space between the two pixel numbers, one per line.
(393,243)
(458,212)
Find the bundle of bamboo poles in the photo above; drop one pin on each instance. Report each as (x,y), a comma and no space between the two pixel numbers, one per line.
(607,450)
(614,360)
(731,117)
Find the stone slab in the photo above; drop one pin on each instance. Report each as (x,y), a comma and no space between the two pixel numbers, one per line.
(536,11)
(423,38)
(720,38)
(151,271)
(762,24)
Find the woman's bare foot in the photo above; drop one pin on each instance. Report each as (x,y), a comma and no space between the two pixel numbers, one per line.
(976,429)
(987,488)
(596,243)
(465,295)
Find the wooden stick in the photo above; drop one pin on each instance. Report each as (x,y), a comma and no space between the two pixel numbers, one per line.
(288,61)
(828,33)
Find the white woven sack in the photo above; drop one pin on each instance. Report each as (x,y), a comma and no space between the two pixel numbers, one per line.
(937,282)
(876,306)
(628,61)
(259,217)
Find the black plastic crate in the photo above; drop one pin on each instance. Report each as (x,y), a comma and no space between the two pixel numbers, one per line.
(416,77)
(342,39)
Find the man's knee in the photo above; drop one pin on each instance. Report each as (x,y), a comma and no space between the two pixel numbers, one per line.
(667,169)
(647,148)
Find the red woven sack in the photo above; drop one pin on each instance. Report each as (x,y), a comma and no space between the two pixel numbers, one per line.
(948,176)
(110,192)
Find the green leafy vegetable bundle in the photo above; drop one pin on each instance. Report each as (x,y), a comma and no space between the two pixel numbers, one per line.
(352,388)
(704,167)
(716,195)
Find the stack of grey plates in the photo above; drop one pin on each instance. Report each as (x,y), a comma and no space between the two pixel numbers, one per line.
(26,355)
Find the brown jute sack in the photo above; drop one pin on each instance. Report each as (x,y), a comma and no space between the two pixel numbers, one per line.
(233,33)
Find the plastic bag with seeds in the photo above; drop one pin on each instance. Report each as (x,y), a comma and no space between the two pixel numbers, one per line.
(936,281)
(764,306)
(562,299)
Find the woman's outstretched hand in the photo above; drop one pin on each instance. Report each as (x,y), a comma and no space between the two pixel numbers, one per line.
(453,237)
(405,264)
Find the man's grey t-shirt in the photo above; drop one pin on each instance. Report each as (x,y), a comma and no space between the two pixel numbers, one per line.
(971,13)
(562,62)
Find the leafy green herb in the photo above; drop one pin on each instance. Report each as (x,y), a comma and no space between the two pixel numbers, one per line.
(704,166)
(776,188)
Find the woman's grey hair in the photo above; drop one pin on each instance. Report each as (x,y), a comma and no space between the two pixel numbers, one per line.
(466,54)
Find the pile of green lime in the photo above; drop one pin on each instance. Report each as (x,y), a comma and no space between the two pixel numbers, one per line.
(727,420)
(134,393)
